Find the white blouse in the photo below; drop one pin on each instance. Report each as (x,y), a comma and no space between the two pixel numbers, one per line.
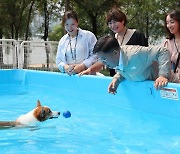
(76,50)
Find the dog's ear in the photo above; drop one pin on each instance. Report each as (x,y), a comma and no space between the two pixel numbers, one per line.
(38,103)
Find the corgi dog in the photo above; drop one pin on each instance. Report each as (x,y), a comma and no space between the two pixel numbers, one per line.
(39,114)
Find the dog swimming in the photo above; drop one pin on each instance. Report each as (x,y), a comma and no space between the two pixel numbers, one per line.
(39,114)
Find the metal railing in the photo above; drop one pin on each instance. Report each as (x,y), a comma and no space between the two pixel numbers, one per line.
(38,55)
(9,53)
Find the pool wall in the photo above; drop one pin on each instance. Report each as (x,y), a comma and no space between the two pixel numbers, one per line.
(133,95)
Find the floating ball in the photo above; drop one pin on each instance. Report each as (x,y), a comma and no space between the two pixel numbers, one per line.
(66,114)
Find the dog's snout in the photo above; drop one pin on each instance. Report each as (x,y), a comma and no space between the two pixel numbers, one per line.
(58,113)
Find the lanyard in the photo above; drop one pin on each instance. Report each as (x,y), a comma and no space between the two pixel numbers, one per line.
(73,54)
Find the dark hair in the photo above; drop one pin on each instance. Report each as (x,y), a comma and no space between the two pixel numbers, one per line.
(116,15)
(175,14)
(69,14)
(106,44)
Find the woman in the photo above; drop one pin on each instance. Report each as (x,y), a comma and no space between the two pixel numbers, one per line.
(74,52)
(172,26)
(116,21)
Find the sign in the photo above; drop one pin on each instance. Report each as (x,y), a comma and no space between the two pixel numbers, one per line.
(169,93)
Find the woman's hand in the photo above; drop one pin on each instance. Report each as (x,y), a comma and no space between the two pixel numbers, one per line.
(85,72)
(79,68)
(96,67)
(160,82)
(69,69)
(74,69)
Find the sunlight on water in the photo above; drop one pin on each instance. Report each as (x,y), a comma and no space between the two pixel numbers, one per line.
(94,127)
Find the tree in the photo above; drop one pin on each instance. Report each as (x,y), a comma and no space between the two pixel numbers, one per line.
(56,33)
(48,10)
(67,5)
(148,16)
(92,13)
(16,15)
(1,32)
(13,18)
(145,15)
(32,2)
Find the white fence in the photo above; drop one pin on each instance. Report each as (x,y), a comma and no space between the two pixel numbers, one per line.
(39,55)
(8,53)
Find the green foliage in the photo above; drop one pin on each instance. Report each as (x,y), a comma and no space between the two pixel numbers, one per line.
(56,33)
(148,16)
(14,17)
(144,15)
(92,14)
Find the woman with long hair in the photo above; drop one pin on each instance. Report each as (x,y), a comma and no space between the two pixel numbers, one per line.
(172,42)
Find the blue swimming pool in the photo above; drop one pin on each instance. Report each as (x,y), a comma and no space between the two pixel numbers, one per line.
(139,119)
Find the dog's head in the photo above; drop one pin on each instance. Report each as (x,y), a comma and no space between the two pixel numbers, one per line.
(43,113)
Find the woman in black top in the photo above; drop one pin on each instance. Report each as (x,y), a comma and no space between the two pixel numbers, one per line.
(116,21)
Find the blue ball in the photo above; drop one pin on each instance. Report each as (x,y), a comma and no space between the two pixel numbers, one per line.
(66,114)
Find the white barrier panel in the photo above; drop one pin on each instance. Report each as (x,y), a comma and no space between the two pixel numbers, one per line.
(9,53)
(36,55)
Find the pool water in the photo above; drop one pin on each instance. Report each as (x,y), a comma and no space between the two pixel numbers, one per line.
(94,126)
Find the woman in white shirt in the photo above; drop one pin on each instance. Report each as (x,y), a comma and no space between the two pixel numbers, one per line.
(74,53)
